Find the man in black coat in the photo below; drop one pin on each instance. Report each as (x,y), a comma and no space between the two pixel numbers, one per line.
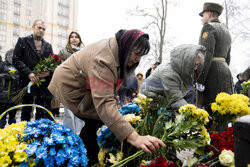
(238,86)
(28,52)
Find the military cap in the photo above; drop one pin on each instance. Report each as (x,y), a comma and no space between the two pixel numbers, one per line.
(213,7)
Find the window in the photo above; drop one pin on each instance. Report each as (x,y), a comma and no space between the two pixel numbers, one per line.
(14,41)
(62,21)
(28,12)
(28,2)
(2,48)
(16,9)
(2,27)
(3,16)
(64,2)
(63,11)
(27,22)
(17,1)
(3,5)
(62,32)
(16,31)
(16,20)
(2,37)
(27,32)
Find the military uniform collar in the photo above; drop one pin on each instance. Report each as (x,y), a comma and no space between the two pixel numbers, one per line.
(215,20)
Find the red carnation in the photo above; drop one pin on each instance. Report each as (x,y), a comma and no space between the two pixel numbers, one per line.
(171,164)
(202,165)
(215,136)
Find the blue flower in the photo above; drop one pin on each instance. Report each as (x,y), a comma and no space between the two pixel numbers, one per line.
(49,161)
(60,157)
(41,152)
(57,137)
(53,144)
(129,108)
(31,148)
(48,141)
(52,152)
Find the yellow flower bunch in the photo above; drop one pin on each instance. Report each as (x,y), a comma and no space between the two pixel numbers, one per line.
(101,156)
(142,99)
(235,104)
(115,159)
(245,86)
(197,113)
(131,118)
(11,148)
(12,72)
(206,135)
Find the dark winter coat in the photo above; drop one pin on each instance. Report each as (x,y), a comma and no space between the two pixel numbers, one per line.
(216,75)
(172,81)
(238,86)
(26,58)
(5,81)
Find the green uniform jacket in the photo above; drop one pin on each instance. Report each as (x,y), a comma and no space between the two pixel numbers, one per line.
(216,75)
(170,82)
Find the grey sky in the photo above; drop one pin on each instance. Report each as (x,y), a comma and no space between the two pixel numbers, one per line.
(100,19)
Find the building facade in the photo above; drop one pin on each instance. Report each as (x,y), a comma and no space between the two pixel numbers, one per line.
(17,17)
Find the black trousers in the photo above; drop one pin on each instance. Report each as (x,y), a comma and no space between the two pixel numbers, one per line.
(88,136)
(40,113)
(12,114)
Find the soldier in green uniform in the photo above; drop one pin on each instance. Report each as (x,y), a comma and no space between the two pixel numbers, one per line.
(216,75)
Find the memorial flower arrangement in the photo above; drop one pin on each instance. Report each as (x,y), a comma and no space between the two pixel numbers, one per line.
(41,143)
(185,130)
(44,65)
(228,107)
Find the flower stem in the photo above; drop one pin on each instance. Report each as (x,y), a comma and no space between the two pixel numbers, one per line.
(126,160)
(9,86)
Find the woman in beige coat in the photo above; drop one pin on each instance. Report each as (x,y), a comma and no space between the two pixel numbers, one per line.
(86,81)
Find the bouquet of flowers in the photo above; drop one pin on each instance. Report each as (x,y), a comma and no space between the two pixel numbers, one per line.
(12,71)
(227,107)
(47,64)
(245,86)
(185,131)
(41,143)
(218,153)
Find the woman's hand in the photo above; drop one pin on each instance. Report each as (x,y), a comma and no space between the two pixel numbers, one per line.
(33,78)
(147,143)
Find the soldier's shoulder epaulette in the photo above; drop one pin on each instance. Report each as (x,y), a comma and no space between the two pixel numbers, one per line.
(208,27)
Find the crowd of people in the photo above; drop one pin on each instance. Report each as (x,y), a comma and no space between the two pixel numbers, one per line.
(195,74)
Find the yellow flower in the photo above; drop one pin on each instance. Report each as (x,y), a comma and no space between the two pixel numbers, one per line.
(227,158)
(119,156)
(197,113)
(206,135)
(32,162)
(131,118)
(112,158)
(142,97)
(20,156)
(101,156)
(137,100)
(5,161)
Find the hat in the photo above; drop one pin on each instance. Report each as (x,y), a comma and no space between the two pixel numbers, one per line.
(213,7)
(240,74)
